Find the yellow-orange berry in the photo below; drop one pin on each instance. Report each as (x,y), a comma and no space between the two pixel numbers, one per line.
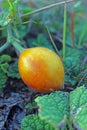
(41,69)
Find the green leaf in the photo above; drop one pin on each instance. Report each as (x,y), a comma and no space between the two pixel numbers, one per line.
(33,122)
(13,71)
(41,41)
(3,79)
(78,107)
(4,18)
(9,12)
(80,119)
(16,2)
(59,110)
(32,105)
(4,67)
(54,108)
(26,9)
(5,58)
(72,65)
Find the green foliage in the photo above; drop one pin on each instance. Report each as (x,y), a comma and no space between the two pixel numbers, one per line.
(41,41)
(33,122)
(31,105)
(10,9)
(78,108)
(4,67)
(3,79)
(25,9)
(83,34)
(10,70)
(4,59)
(13,71)
(4,19)
(7,70)
(72,65)
(54,108)
(47,17)
(59,110)
(80,24)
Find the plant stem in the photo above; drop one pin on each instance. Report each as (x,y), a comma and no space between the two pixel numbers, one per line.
(18,46)
(13,11)
(16,31)
(46,7)
(5,46)
(64,33)
(52,40)
(72,24)
(10,3)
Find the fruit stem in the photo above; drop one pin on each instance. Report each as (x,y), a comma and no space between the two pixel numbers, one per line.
(18,46)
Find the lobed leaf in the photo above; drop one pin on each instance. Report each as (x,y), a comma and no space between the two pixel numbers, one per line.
(13,71)
(72,65)
(5,58)
(3,79)
(33,122)
(54,108)
(78,107)
(59,110)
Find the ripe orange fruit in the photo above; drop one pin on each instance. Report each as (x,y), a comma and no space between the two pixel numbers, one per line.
(41,69)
